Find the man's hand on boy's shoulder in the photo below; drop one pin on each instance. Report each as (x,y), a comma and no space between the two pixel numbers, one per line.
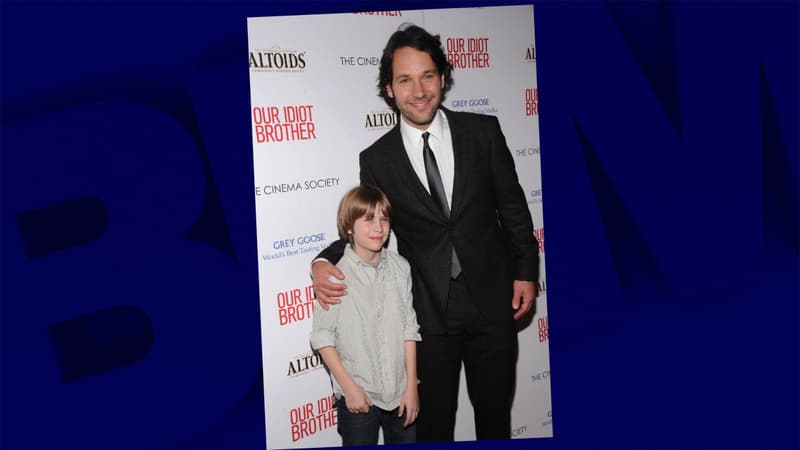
(328,283)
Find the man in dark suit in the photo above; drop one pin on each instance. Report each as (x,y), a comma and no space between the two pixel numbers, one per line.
(462,221)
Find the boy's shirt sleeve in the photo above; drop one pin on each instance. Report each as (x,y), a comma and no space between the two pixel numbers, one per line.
(323,331)
(411,327)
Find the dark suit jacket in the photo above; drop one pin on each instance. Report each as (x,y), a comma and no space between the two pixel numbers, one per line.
(489,224)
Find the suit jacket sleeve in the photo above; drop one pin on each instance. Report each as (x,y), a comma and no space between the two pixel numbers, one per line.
(334,252)
(513,211)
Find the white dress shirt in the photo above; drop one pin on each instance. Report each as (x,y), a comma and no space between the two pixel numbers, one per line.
(441,144)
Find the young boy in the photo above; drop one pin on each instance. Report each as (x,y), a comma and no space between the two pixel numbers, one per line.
(368,342)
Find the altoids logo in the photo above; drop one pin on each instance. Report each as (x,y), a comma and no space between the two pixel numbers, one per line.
(276,59)
(380,120)
(530,54)
(304,364)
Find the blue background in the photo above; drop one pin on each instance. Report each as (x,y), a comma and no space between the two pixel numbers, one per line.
(129,269)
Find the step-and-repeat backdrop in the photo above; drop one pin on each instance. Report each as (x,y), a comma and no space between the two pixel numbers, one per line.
(314,108)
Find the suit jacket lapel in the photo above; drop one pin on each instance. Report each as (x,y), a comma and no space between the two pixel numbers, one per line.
(399,156)
(460,143)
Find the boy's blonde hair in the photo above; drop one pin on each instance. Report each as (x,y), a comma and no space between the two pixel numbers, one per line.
(359,202)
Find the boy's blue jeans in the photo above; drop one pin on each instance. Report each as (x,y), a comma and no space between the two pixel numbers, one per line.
(362,428)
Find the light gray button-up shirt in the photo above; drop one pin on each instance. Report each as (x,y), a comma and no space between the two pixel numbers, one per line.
(370,326)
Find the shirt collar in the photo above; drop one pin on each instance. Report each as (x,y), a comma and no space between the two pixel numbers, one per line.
(436,128)
(349,253)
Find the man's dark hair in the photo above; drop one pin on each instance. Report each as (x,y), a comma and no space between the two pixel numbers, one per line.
(409,35)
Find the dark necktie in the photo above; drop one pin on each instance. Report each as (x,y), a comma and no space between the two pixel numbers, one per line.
(437,192)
